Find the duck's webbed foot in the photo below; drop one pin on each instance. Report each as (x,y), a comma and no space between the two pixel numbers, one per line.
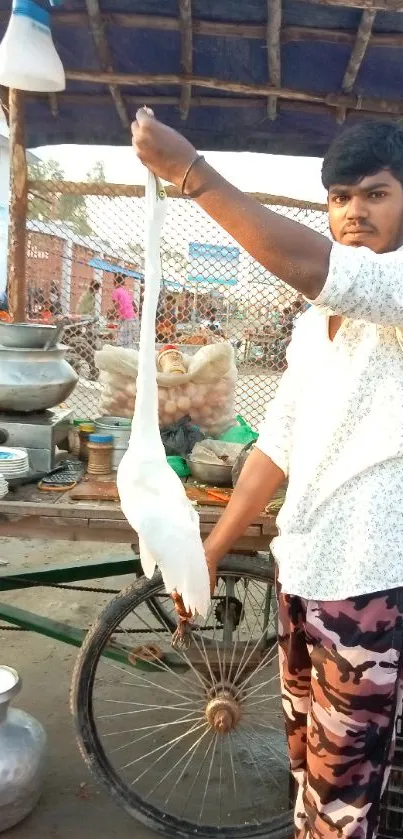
(182,637)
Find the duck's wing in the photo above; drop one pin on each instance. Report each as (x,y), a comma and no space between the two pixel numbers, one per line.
(171,536)
(147,560)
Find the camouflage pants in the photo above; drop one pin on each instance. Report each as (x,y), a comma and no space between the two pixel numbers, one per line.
(341,670)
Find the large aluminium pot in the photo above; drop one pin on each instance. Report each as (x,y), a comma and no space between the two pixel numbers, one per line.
(22,755)
(34,379)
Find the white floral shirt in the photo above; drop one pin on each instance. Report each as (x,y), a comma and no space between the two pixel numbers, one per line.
(335,427)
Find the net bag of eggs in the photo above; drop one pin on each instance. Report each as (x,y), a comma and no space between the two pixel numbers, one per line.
(205,391)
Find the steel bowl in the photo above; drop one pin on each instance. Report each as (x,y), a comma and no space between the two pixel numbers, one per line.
(219,475)
(31,336)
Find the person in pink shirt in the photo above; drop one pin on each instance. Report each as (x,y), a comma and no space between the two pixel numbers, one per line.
(125,313)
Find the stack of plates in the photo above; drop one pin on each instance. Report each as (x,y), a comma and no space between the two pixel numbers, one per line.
(3,486)
(13,462)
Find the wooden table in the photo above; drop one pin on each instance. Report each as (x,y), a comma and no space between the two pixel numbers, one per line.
(34,514)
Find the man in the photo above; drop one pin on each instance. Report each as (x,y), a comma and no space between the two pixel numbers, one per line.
(87,302)
(335,431)
(55,304)
(124,312)
(166,319)
(3,301)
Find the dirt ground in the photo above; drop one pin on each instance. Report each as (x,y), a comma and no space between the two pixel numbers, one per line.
(72,806)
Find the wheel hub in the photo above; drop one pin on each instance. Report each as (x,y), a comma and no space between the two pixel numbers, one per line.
(223,712)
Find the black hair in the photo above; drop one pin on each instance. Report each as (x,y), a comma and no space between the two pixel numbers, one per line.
(119,279)
(362,150)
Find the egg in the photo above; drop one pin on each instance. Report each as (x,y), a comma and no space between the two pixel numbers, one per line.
(190,391)
(206,411)
(183,405)
(222,387)
(199,397)
(170,408)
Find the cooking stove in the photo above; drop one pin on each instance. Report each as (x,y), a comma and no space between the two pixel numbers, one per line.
(41,434)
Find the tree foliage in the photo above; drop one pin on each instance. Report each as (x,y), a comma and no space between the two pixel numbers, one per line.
(70,209)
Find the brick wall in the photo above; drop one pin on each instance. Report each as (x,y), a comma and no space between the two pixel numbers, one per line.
(48,256)
(44,261)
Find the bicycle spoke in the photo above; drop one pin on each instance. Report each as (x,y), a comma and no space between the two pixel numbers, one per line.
(181,720)
(168,750)
(150,683)
(197,775)
(190,754)
(168,747)
(208,777)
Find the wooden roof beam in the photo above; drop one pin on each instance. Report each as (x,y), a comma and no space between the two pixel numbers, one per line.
(359,49)
(104,56)
(371,5)
(185,22)
(136,191)
(332,100)
(292,34)
(53,105)
(362,40)
(220,29)
(102,99)
(273,34)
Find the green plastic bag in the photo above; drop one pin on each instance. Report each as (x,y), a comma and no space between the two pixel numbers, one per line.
(179,465)
(240,433)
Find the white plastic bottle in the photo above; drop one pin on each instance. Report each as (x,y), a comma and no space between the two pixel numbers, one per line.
(28,58)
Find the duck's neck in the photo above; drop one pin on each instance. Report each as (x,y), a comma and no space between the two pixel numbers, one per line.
(145,425)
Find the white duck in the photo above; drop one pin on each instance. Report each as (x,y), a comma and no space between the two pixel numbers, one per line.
(152,496)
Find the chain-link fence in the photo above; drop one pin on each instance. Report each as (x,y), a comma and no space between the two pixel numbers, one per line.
(85,242)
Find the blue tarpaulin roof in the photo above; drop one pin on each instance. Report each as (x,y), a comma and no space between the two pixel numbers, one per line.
(114,268)
(228,69)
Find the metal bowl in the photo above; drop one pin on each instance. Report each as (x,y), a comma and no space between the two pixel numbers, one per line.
(25,335)
(211,474)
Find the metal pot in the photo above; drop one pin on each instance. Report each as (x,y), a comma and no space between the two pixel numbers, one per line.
(27,335)
(22,755)
(240,462)
(34,379)
(213,474)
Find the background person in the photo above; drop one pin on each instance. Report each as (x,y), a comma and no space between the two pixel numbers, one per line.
(128,330)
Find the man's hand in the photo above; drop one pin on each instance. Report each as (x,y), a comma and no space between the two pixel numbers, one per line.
(259,481)
(161,149)
(287,249)
(212,565)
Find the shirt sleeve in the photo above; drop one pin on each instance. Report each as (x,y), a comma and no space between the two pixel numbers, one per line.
(364,285)
(277,429)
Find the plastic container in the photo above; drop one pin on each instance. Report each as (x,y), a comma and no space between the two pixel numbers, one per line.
(22,755)
(120,429)
(100,451)
(28,58)
(171,360)
(74,436)
(85,429)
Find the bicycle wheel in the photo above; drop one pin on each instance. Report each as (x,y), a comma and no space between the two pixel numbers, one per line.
(191,742)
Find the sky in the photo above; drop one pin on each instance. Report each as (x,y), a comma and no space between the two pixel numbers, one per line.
(294,177)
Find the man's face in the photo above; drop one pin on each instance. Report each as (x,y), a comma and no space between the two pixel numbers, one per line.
(368,213)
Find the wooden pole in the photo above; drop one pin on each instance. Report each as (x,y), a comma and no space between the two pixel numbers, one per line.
(45,190)
(18,208)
